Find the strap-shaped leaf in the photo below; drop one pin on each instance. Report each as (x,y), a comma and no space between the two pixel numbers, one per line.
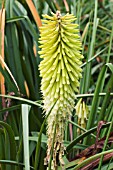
(11,139)
(110,66)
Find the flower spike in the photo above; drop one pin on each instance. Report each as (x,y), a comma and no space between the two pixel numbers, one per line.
(60,71)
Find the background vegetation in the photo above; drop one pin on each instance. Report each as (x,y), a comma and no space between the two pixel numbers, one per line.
(22,124)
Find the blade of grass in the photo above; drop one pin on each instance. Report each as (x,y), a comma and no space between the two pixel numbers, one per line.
(8,41)
(84,34)
(25,124)
(7,150)
(10,73)
(106,99)
(2,148)
(91,159)
(35,103)
(41,163)
(105,143)
(78,12)
(110,65)
(51,5)
(110,45)
(11,117)
(85,134)
(32,81)
(14,19)
(108,117)
(94,57)
(9,136)
(16,57)
(106,167)
(27,25)
(95,101)
(91,49)
(84,130)
(44,140)
(16,107)
(13,163)
(8,81)
(19,155)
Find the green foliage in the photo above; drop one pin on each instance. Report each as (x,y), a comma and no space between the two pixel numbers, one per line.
(22,128)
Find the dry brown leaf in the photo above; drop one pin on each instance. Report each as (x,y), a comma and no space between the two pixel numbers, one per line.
(34,12)
(2,30)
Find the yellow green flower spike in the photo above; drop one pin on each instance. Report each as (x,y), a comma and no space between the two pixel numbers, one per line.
(60,71)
